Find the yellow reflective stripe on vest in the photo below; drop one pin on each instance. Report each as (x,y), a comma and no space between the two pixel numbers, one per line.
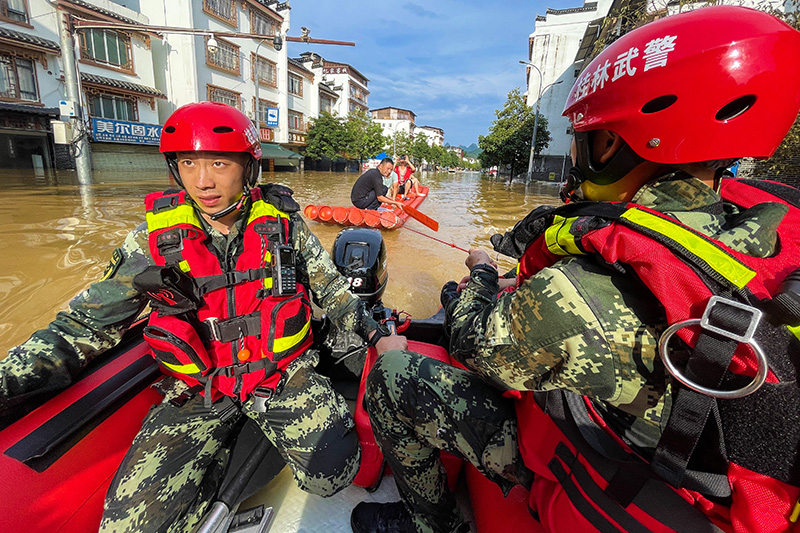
(795,330)
(728,267)
(261,208)
(287,343)
(182,214)
(558,238)
(182,369)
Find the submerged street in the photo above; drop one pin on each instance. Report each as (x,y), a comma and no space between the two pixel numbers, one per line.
(57,237)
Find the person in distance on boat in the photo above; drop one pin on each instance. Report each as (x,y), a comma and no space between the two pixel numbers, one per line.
(405,178)
(369,190)
(658,116)
(231,330)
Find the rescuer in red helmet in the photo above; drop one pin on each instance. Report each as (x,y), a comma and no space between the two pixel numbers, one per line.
(649,355)
(228,268)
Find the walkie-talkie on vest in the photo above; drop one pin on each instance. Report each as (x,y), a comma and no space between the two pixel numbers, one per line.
(284,279)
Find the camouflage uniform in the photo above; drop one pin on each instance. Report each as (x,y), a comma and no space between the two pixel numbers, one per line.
(306,419)
(578,325)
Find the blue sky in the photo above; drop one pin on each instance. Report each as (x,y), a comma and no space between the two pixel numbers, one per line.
(451,63)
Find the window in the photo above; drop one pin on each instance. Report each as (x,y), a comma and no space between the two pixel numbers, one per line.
(265,70)
(226,57)
(325,104)
(260,24)
(295,85)
(107,47)
(14,10)
(113,106)
(222,9)
(296,121)
(18,78)
(218,94)
(262,110)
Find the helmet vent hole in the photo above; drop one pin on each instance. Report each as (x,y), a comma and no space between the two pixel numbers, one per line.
(222,129)
(170,129)
(659,104)
(735,108)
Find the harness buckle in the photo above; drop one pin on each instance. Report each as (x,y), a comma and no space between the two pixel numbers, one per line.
(260,398)
(755,318)
(213,328)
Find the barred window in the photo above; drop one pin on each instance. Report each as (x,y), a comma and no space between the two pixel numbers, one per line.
(262,110)
(222,9)
(226,57)
(295,85)
(296,121)
(113,106)
(108,47)
(14,10)
(261,24)
(18,78)
(265,70)
(218,94)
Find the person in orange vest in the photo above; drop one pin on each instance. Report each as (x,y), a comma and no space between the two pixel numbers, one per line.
(643,374)
(404,172)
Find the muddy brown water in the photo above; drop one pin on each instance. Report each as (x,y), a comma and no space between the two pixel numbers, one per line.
(56,236)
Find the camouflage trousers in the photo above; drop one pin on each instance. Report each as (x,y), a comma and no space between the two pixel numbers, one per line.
(419,406)
(173,469)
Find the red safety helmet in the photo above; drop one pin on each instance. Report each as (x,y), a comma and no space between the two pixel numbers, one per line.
(715,83)
(210,127)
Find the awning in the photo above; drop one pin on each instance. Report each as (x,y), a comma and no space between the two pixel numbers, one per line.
(276,151)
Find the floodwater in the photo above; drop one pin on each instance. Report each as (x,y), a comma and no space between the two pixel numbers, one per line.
(56,236)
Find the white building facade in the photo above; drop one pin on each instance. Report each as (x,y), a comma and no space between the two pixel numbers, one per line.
(553,47)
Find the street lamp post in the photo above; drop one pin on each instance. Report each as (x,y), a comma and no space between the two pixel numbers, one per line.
(536,116)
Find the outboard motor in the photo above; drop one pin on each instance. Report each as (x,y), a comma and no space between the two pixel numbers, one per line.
(360,255)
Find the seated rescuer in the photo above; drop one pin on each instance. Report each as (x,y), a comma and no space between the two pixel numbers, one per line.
(369,190)
(583,326)
(213,332)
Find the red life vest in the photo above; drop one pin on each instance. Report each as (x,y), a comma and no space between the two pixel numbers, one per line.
(241,337)
(402,179)
(563,439)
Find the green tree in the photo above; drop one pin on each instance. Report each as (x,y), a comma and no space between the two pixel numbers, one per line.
(364,138)
(420,149)
(437,154)
(509,138)
(399,143)
(326,137)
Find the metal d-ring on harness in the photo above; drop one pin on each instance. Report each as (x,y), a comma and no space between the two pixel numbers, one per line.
(705,323)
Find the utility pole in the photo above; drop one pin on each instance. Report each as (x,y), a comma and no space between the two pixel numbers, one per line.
(81,146)
(536,117)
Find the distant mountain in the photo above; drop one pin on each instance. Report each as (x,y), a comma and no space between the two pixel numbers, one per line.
(471,151)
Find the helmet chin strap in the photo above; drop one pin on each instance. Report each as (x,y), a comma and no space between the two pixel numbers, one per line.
(240,205)
(620,164)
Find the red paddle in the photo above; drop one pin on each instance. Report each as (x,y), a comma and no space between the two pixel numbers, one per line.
(421,217)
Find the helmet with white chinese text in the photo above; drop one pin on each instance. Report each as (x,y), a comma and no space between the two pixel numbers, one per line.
(210,127)
(716,83)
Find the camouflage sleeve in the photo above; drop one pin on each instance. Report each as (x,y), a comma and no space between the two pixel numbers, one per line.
(329,289)
(573,326)
(94,322)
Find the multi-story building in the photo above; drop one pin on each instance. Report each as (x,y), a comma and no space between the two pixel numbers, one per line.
(394,120)
(434,135)
(130,80)
(355,94)
(250,74)
(553,50)
(30,88)
(116,77)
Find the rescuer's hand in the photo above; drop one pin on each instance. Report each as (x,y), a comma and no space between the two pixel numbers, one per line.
(477,257)
(391,342)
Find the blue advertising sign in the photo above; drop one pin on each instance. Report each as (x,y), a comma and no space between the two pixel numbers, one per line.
(272,117)
(121,131)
